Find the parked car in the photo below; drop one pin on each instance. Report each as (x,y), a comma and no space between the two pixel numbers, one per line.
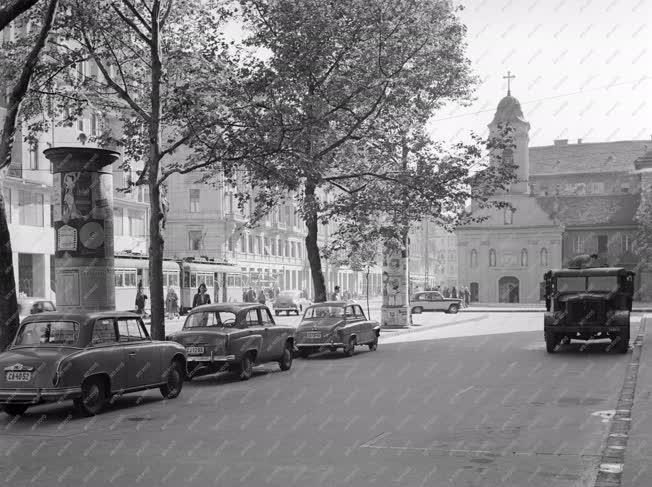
(31,306)
(335,324)
(290,301)
(87,357)
(434,301)
(589,303)
(235,337)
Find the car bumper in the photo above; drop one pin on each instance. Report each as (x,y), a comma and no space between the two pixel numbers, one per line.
(210,359)
(286,308)
(36,396)
(321,344)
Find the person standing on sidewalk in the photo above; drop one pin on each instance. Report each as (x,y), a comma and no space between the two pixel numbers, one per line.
(172,303)
(201,297)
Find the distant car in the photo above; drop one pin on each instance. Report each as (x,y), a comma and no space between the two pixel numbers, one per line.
(589,303)
(290,301)
(31,306)
(235,337)
(87,357)
(333,325)
(434,301)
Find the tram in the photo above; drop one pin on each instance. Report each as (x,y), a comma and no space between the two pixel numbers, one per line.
(131,270)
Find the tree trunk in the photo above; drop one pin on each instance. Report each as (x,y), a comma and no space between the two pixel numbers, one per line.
(156,243)
(312,246)
(8,302)
(12,9)
(368,310)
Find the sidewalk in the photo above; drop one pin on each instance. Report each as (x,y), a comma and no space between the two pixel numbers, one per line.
(637,307)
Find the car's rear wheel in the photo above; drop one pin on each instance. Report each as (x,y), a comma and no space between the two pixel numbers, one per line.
(454,308)
(551,341)
(172,388)
(286,359)
(373,346)
(94,397)
(15,409)
(246,367)
(349,348)
(418,310)
(277,313)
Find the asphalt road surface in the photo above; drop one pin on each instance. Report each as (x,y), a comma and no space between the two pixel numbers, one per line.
(464,400)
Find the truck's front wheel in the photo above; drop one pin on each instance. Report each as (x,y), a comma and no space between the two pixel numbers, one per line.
(621,342)
(551,341)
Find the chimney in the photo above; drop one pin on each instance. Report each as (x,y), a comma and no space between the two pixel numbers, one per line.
(579,141)
(561,142)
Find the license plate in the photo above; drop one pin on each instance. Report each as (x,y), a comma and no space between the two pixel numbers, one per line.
(195,350)
(613,329)
(15,376)
(313,334)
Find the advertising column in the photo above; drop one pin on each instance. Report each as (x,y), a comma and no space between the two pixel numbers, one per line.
(82,214)
(395,312)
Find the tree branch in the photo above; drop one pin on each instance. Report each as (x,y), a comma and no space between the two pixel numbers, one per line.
(131,24)
(12,9)
(135,11)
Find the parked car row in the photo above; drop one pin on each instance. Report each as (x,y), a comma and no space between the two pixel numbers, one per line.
(92,357)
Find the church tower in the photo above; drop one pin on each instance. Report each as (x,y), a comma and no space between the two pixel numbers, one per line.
(509,113)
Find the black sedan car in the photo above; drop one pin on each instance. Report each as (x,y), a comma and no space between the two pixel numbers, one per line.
(235,337)
(333,325)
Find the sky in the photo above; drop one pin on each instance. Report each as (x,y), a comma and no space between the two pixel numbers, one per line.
(582,69)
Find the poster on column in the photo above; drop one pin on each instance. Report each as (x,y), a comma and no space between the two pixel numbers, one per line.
(79,220)
(395,289)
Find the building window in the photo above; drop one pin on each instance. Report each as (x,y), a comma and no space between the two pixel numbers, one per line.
(94,125)
(293,251)
(30,208)
(509,216)
(251,244)
(578,244)
(33,155)
(492,258)
(624,187)
(136,225)
(523,257)
(194,200)
(474,258)
(626,242)
(80,124)
(195,238)
(543,255)
(117,221)
(229,244)
(603,244)
(259,244)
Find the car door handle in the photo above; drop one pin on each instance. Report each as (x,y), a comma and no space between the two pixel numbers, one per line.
(132,354)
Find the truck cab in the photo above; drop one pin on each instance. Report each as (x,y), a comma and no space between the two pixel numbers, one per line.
(589,303)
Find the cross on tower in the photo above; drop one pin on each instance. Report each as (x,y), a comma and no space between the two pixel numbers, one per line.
(509,78)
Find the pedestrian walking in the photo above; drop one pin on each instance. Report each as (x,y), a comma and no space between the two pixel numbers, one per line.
(261,297)
(446,293)
(454,293)
(141,298)
(251,295)
(467,296)
(201,297)
(172,303)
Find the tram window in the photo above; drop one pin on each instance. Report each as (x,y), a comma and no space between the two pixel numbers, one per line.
(173,279)
(238,280)
(118,279)
(230,280)
(201,279)
(186,279)
(209,281)
(193,279)
(130,279)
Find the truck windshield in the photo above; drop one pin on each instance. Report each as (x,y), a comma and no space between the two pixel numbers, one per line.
(595,284)
(48,332)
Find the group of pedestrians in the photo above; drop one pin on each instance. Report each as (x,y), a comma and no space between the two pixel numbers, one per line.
(462,293)
(252,296)
(339,295)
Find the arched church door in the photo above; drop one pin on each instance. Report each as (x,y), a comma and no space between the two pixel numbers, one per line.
(508,290)
(475,292)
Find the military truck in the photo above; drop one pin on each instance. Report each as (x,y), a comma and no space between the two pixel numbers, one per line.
(587,304)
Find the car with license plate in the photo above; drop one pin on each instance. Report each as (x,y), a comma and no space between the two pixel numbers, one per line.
(87,357)
(333,325)
(587,304)
(425,301)
(234,337)
(290,302)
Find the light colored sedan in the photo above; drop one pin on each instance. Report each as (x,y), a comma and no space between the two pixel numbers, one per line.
(290,302)
(434,301)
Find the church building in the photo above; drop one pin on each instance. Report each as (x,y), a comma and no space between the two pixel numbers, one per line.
(570,199)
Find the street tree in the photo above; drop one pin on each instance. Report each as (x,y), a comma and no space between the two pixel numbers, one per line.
(325,73)
(642,244)
(17,73)
(161,73)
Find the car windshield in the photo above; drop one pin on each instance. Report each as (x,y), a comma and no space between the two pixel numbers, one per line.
(288,295)
(595,284)
(48,332)
(324,312)
(217,319)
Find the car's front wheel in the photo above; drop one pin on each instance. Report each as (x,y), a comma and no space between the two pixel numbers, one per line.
(286,359)
(94,397)
(15,409)
(454,308)
(349,348)
(246,367)
(174,381)
(621,342)
(417,311)
(373,346)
